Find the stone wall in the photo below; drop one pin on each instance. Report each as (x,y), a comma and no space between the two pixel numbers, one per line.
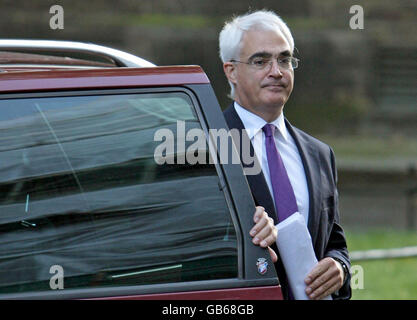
(335,85)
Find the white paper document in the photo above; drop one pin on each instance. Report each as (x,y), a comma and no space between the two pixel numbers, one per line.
(297,253)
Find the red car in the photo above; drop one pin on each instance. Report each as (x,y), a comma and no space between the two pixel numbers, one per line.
(89,210)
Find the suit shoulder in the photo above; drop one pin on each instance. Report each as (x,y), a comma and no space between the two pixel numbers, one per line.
(322,146)
(325,152)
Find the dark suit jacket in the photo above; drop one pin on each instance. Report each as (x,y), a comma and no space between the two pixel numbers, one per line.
(323,220)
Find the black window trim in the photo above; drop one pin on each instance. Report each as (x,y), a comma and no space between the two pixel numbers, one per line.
(238,188)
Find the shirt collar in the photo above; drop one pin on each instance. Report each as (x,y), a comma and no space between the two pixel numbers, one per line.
(253,123)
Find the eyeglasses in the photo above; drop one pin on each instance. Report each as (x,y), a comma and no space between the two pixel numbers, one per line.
(266,63)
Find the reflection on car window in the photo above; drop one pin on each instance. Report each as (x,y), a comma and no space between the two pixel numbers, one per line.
(80,188)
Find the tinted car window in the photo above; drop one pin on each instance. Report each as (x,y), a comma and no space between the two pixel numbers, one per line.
(80,189)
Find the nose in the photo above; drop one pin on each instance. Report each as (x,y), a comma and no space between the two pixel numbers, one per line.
(274,69)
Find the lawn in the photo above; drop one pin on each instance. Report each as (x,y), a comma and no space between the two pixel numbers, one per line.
(388,278)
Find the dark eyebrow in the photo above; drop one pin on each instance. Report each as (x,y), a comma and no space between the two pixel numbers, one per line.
(265,54)
(262,54)
(286,53)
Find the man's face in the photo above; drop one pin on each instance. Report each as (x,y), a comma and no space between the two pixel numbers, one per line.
(267,89)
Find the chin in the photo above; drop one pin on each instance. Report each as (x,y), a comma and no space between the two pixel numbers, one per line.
(276,102)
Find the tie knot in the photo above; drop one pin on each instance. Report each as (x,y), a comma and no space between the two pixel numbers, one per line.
(269,129)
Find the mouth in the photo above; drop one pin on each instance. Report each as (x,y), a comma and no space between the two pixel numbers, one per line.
(274,87)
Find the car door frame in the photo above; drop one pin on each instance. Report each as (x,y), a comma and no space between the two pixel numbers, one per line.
(241,205)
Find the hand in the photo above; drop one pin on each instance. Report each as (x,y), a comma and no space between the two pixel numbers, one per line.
(264,233)
(325,278)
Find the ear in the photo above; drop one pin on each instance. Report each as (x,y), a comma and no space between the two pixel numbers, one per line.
(229,69)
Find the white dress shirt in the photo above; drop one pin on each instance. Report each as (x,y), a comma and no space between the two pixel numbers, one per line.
(287,149)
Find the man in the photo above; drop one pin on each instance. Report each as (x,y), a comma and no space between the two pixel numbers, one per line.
(298,171)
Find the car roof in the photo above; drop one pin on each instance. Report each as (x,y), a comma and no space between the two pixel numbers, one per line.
(18,55)
(12,82)
(45,65)
(17,61)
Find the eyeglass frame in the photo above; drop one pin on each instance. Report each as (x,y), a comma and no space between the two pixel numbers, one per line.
(270,62)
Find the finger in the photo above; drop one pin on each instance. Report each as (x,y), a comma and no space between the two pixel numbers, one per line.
(317,283)
(326,289)
(262,222)
(258,213)
(318,270)
(267,236)
(273,255)
(320,279)
(270,239)
(264,232)
(332,271)
(328,292)
(323,282)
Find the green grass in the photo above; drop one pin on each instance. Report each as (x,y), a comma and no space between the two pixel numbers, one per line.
(379,239)
(384,279)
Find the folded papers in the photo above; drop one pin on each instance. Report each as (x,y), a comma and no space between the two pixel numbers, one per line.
(297,253)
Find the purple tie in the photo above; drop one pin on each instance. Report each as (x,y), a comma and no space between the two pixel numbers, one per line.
(285,202)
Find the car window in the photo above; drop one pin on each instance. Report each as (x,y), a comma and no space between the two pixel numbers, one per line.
(82,195)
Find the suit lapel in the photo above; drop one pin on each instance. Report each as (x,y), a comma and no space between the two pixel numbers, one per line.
(311,163)
(257,183)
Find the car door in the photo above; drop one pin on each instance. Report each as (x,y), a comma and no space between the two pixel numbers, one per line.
(117,194)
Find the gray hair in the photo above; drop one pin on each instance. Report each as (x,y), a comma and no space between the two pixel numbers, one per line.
(231,35)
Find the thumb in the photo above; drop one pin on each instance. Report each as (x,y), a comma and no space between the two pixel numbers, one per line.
(273,255)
